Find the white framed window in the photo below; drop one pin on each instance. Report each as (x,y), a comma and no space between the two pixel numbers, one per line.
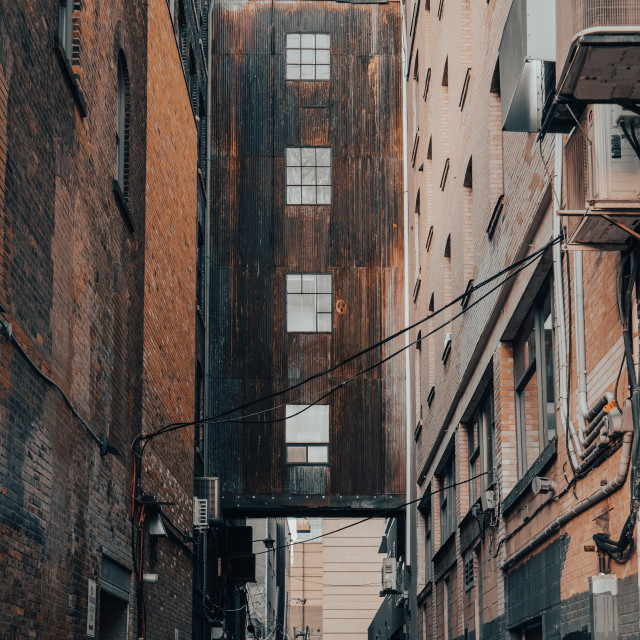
(308,56)
(309,175)
(309,302)
(307,434)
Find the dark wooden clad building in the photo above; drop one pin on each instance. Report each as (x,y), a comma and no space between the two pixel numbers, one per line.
(307,254)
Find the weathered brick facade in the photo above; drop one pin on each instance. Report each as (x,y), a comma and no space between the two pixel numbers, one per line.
(480,199)
(99,291)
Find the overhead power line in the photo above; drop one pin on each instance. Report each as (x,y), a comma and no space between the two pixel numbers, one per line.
(510,272)
(381,514)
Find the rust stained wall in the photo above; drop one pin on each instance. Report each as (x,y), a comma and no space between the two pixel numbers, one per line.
(258,239)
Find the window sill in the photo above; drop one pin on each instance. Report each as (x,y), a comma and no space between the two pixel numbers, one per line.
(72,79)
(122,204)
(524,483)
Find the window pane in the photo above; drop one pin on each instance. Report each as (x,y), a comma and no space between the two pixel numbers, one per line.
(308,156)
(307,423)
(293,156)
(293,72)
(318,455)
(294,195)
(294,283)
(323,41)
(323,175)
(307,72)
(308,195)
(309,175)
(324,195)
(293,56)
(301,312)
(294,175)
(308,56)
(323,56)
(528,405)
(323,155)
(323,72)
(308,283)
(324,322)
(296,454)
(308,41)
(324,302)
(293,40)
(324,282)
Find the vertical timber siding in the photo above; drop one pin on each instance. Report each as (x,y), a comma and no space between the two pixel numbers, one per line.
(257,240)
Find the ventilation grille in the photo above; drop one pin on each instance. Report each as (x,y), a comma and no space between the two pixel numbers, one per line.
(595,13)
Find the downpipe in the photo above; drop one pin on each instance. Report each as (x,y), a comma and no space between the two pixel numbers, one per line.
(579,507)
(558,290)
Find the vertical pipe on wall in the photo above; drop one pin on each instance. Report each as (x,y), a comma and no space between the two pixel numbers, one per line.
(558,289)
(410,544)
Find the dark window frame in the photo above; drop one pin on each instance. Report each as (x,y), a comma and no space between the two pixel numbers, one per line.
(533,324)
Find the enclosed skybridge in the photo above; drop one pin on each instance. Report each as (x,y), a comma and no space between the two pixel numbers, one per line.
(307,258)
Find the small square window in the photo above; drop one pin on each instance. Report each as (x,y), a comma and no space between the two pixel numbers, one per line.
(308,56)
(309,302)
(309,175)
(307,434)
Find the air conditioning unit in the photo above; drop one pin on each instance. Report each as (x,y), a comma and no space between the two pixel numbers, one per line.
(208,488)
(598,50)
(200,513)
(603,178)
(389,574)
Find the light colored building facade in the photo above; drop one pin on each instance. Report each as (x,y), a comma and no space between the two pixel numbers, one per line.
(516,381)
(335,580)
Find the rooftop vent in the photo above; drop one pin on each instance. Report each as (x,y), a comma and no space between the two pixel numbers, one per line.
(598,46)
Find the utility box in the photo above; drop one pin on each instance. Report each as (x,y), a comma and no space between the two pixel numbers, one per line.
(598,46)
(603,600)
(527,64)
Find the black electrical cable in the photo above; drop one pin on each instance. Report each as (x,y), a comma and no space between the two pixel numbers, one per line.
(616,549)
(380,514)
(512,270)
(570,356)
(630,135)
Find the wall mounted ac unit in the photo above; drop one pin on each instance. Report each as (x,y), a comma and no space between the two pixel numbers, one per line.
(389,574)
(200,515)
(208,488)
(598,50)
(603,179)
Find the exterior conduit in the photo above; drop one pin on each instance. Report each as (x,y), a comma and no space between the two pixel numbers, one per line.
(579,507)
(558,290)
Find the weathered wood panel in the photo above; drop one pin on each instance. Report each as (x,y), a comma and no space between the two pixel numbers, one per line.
(258,239)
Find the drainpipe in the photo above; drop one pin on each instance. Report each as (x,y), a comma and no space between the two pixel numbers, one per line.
(558,289)
(410,546)
(207,298)
(579,507)
(582,408)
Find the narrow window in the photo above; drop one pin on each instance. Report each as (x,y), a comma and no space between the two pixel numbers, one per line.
(444,111)
(446,278)
(467,212)
(448,498)
(428,548)
(122,135)
(496,182)
(309,302)
(534,380)
(183,41)
(307,434)
(309,175)
(308,56)
(469,573)
(65,27)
